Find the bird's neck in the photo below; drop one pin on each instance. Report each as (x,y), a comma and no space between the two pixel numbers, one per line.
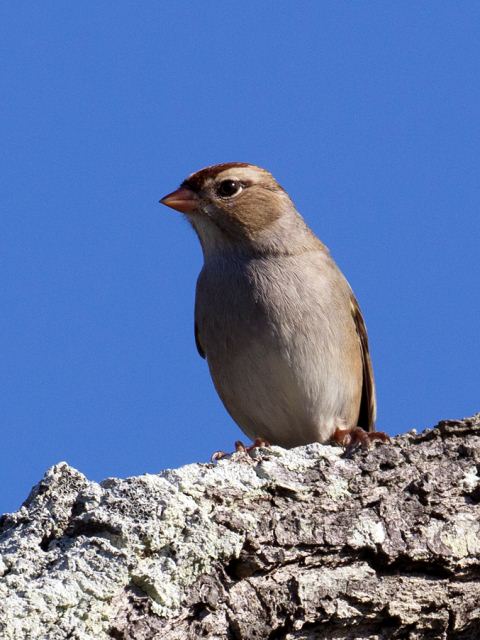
(282,238)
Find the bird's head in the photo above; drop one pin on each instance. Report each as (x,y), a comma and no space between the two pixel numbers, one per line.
(237,206)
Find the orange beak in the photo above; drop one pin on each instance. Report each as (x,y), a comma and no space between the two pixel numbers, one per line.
(183,199)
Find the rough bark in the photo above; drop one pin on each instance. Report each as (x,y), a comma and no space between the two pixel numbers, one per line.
(297,544)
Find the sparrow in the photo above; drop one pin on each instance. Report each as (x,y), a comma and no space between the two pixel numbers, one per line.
(275,319)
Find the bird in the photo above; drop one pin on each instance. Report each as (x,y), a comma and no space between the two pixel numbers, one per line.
(275,318)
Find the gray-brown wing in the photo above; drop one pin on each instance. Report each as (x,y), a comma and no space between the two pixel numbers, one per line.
(368,404)
(197,342)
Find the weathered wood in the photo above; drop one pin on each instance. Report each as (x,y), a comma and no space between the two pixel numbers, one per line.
(296,544)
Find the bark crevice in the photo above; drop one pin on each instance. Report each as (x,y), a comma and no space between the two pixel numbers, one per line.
(297,545)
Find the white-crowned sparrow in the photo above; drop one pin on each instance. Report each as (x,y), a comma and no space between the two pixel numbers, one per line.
(275,318)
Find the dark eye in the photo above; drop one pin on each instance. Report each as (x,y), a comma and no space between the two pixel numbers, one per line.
(229,188)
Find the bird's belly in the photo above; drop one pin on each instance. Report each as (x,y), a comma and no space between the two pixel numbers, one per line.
(289,394)
(285,360)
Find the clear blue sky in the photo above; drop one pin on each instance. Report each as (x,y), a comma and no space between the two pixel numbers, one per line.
(366,112)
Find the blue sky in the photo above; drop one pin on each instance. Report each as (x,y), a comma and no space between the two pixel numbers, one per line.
(366,112)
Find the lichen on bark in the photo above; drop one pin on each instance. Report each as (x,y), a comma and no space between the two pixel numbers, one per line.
(296,544)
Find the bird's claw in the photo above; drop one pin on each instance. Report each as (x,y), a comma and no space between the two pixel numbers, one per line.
(357,438)
(240,448)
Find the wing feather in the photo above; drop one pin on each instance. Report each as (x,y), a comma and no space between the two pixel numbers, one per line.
(197,342)
(368,403)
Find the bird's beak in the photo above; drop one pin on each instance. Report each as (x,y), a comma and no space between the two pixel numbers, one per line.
(183,199)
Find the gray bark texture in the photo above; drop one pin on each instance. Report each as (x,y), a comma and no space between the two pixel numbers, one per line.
(295,544)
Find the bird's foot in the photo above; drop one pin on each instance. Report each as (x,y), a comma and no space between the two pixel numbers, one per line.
(357,438)
(240,448)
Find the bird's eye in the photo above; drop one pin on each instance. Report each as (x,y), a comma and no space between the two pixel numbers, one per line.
(229,188)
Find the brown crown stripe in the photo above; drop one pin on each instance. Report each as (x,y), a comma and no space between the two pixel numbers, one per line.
(196,181)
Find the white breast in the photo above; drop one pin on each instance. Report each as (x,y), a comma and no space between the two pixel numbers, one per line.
(279,340)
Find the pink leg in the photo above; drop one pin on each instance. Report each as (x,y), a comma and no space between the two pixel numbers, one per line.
(357,438)
(239,446)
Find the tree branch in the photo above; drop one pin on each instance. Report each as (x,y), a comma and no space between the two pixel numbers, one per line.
(297,544)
